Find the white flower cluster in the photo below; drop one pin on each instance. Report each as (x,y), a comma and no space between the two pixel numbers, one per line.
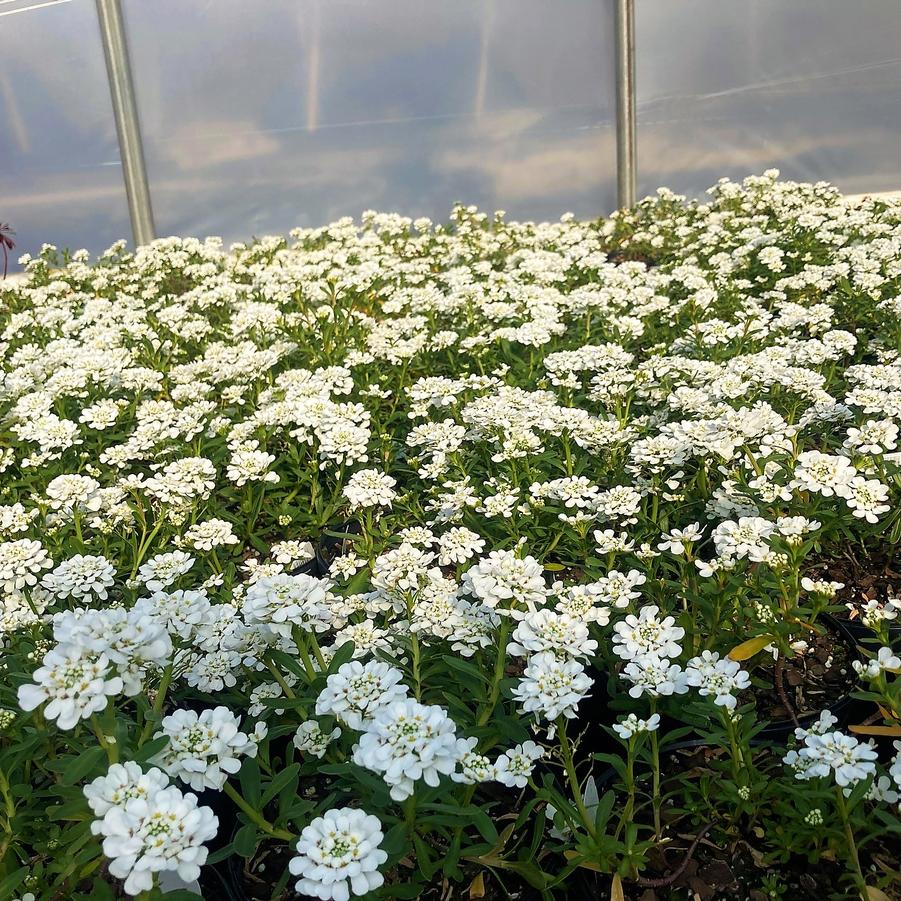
(338,855)
(407,742)
(148,826)
(204,749)
(842,756)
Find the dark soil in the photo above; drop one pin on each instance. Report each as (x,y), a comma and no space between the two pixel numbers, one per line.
(867,575)
(814,680)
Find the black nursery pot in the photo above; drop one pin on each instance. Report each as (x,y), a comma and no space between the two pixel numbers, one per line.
(217,880)
(866,637)
(844,708)
(330,546)
(308,567)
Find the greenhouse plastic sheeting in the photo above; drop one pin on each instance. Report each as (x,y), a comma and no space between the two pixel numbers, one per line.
(260,117)
(811,87)
(60,176)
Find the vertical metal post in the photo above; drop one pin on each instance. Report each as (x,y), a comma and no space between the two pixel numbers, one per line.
(626,147)
(125,112)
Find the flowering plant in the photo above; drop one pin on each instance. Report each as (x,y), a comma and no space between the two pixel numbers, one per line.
(412,555)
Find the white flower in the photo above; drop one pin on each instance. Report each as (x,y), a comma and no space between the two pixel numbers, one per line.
(632,725)
(310,738)
(357,691)
(183,481)
(211,672)
(281,602)
(204,749)
(504,580)
(292,553)
(81,577)
(75,682)
(122,782)
(366,638)
(721,678)
(180,612)
(677,541)
(618,589)
(401,569)
(370,488)
(21,563)
(339,855)
(160,571)
(267,691)
(251,465)
(212,533)
(580,603)
(821,587)
(162,832)
(130,639)
(824,474)
(646,634)
(457,545)
(874,437)
(885,659)
(796,525)
(882,791)
(514,767)
(474,767)
(823,723)
(833,752)
(551,687)
(545,630)
(408,741)
(655,676)
(746,538)
(866,498)
(74,492)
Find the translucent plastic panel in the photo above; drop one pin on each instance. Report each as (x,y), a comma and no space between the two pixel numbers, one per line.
(259,117)
(731,87)
(60,176)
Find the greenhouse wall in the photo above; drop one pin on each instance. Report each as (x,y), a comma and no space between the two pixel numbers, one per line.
(732,87)
(307,110)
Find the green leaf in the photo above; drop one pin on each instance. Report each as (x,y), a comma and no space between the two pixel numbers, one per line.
(281,781)
(250,782)
(466,668)
(79,767)
(395,841)
(12,882)
(341,656)
(424,861)
(150,749)
(245,841)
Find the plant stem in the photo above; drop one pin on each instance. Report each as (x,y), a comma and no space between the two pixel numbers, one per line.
(158,702)
(301,641)
(852,845)
(499,664)
(417,678)
(410,816)
(256,818)
(655,766)
(317,652)
(111,748)
(286,689)
(573,778)
(629,811)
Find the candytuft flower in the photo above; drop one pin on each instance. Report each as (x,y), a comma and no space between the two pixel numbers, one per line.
(338,855)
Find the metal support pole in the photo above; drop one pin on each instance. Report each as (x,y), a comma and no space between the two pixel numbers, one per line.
(125,112)
(626,147)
